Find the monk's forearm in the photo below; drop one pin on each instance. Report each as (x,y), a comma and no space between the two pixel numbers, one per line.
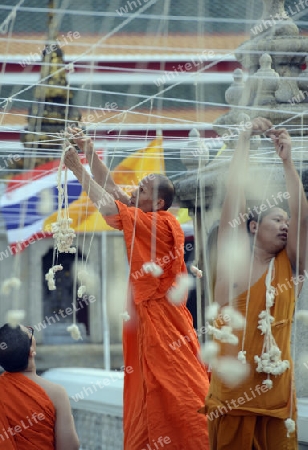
(103,176)
(100,172)
(235,200)
(239,163)
(103,201)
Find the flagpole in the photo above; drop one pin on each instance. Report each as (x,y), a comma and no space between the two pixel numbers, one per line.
(105,322)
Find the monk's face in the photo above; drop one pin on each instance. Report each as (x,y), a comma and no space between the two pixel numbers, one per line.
(145,196)
(272,231)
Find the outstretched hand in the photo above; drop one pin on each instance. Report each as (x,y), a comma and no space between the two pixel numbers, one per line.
(84,142)
(71,159)
(259,126)
(282,142)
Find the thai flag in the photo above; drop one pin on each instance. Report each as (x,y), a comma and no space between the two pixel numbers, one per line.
(22,205)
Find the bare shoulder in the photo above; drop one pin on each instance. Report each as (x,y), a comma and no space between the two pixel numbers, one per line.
(53,390)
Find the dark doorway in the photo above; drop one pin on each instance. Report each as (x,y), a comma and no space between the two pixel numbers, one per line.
(57,304)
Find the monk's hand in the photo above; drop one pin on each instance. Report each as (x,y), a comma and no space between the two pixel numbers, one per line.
(259,125)
(83,142)
(282,143)
(71,159)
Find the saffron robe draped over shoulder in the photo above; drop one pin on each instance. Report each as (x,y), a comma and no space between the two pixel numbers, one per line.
(168,383)
(252,397)
(27,415)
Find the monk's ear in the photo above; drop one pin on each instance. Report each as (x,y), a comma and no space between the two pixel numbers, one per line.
(160,204)
(253,227)
(32,352)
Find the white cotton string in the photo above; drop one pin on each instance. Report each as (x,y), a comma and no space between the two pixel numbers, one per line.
(96,45)
(296,288)
(200,227)
(11,17)
(72,13)
(63,214)
(14,282)
(182,101)
(154,214)
(96,219)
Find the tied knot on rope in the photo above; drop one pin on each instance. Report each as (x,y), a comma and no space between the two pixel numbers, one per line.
(74,332)
(15,316)
(10,284)
(125,316)
(70,67)
(212,311)
(268,383)
(81,291)
(195,271)
(242,356)
(154,269)
(178,293)
(209,352)
(290,426)
(233,317)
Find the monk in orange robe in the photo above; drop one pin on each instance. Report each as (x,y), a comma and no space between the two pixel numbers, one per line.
(167,385)
(35,414)
(259,413)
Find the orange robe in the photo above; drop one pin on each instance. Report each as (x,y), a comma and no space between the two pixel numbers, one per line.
(168,383)
(27,415)
(251,399)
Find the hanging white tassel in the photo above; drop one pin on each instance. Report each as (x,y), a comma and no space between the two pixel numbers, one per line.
(63,235)
(227,336)
(125,316)
(15,317)
(212,311)
(195,271)
(74,332)
(87,276)
(233,317)
(231,371)
(178,293)
(154,269)
(46,202)
(214,332)
(270,359)
(50,276)
(10,284)
(290,426)
(209,352)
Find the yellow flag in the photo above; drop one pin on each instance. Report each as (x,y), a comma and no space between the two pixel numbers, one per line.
(183,215)
(135,167)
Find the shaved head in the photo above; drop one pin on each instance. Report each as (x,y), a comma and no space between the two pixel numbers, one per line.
(165,190)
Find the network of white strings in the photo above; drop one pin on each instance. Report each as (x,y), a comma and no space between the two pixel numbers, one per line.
(12,285)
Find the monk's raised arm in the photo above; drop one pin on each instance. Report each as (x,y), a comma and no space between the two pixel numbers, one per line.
(103,201)
(232,232)
(235,200)
(99,170)
(298,206)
